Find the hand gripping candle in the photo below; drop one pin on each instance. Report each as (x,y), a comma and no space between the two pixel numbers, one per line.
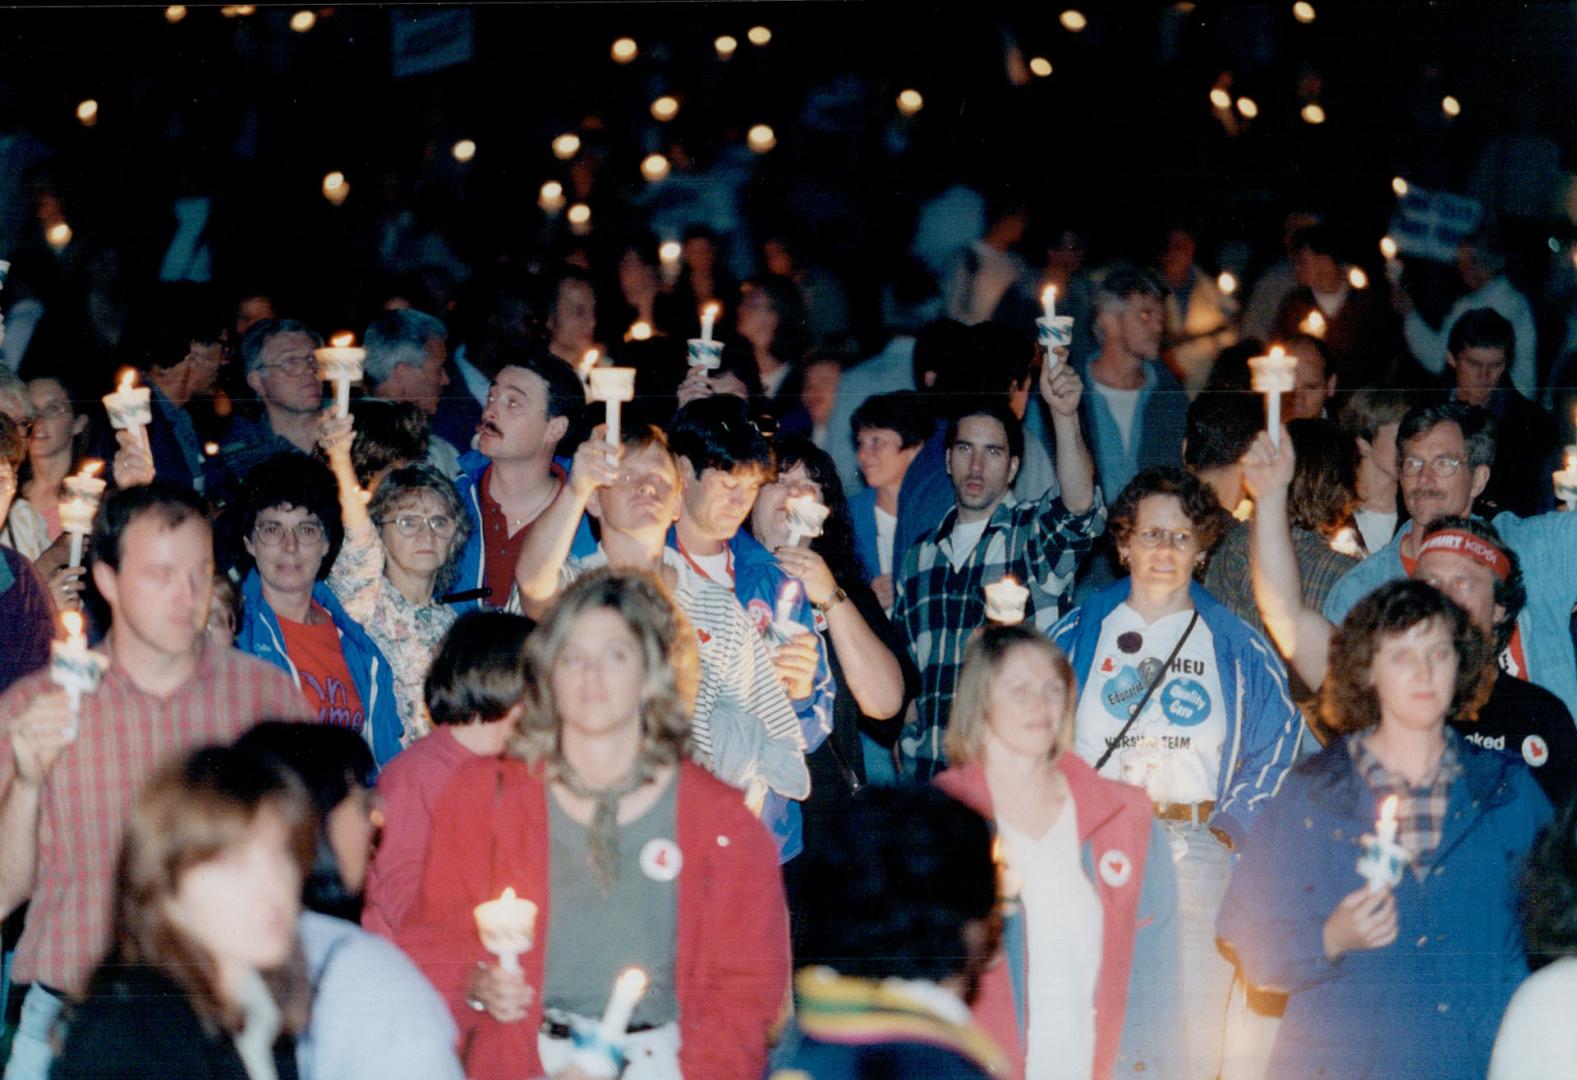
(340,363)
(612,385)
(130,407)
(1274,375)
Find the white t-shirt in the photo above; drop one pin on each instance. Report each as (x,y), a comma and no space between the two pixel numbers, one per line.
(886,529)
(1063,926)
(1174,749)
(1122,404)
(1375,528)
(963,539)
(1537,1040)
(1331,303)
(716,567)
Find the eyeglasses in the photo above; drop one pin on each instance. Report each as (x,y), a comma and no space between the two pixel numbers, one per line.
(1441,466)
(293,365)
(272,533)
(1154,538)
(442,525)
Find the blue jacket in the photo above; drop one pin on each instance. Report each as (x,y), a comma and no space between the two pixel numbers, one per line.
(862,512)
(260,635)
(1544,545)
(471,570)
(1264,726)
(1428,1004)
(1160,421)
(758,582)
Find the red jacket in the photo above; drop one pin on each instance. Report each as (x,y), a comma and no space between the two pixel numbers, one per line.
(490,830)
(1115,821)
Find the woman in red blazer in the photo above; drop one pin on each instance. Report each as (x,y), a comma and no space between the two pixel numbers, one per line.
(602,755)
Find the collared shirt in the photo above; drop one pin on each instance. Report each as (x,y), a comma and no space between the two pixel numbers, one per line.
(1421,810)
(251,443)
(937,607)
(185,433)
(124,735)
(500,548)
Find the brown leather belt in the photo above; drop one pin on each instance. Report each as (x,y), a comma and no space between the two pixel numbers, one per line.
(1198,813)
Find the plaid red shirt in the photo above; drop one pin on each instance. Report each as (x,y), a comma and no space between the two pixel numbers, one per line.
(124,735)
(1421,810)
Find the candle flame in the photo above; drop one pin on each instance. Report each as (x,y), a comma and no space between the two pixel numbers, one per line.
(790,592)
(712,311)
(343,340)
(632,980)
(588,361)
(509,894)
(128,378)
(72,621)
(1388,247)
(1388,808)
(91,468)
(1277,352)
(1048,295)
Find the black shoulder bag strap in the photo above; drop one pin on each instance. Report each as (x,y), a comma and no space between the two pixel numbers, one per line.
(1149,691)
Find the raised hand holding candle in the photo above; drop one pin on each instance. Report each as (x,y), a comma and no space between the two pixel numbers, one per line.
(1274,375)
(1005,602)
(1566,480)
(506,926)
(130,407)
(340,363)
(81,506)
(806,518)
(1052,331)
(612,385)
(73,666)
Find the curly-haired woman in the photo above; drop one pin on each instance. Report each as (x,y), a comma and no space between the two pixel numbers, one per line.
(1410,980)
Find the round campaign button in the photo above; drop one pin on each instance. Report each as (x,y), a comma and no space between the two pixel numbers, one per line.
(1535,751)
(660,860)
(1116,868)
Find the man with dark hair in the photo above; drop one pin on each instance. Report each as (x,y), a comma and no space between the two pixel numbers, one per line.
(1466,560)
(281,370)
(723,461)
(290,525)
(165,689)
(1479,355)
(989,535)
(1314,383)
(534,402)
(1221,426)
(900,920)
(1357,325)
(1134,407)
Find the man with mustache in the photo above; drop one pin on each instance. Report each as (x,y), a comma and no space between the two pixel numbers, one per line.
(1444,454)
(989,535)
(511,477)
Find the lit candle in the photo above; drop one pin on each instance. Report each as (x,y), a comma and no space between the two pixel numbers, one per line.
(612,385)
(640,330)
(341,364)
(627,991)
(1048,302)
(1313,324)
(1274,376)
(1566,480)
(806,517)
(708,319)
(131,407)
(1005,602)
(589,359)
(77,512)
(1052,331)
(73,666)
(1385,828)
(703,352)
(668,254)
(506,926)
(784,612)
(1381,859)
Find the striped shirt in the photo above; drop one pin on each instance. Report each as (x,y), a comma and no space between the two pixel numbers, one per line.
(124,735)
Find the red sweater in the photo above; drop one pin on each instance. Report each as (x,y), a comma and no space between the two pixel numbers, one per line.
(732,973)
(1112,817)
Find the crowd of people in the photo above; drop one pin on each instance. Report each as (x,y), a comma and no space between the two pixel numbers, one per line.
(1082,727)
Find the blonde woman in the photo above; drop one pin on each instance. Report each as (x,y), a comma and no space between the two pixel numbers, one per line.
(1091,981)
(633,855)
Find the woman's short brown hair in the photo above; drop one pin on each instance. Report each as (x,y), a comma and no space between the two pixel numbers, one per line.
(192,811)
(1199,504)
(1348,701)
(983,659)
(668,649)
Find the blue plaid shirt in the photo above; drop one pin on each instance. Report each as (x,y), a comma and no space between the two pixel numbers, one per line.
(937,607)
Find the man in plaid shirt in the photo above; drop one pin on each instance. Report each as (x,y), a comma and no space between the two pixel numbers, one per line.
(68,782)
(988,535)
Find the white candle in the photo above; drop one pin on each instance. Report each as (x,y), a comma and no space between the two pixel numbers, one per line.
(130,407)
(1048,302)
(627,991)
(1382,858)
(73,666)
(1005,602)
(588,360)
(340,363)
(708,319)
(784,613)
(84,490)
(1385,828)
(1273,376)
(506,926)
(612,385)
(806,518)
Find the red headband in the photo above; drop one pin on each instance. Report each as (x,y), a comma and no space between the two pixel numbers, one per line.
(1475,548)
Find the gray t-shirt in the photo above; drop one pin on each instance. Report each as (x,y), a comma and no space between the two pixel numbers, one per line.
(592,937)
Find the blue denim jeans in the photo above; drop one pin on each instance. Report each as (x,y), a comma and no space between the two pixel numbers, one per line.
(32,1052)
(1204,866)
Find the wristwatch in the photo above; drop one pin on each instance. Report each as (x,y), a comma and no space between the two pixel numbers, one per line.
(838,597)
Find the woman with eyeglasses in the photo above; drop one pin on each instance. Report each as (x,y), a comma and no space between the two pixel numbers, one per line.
(290,525)
(399,556)
(1182,698)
